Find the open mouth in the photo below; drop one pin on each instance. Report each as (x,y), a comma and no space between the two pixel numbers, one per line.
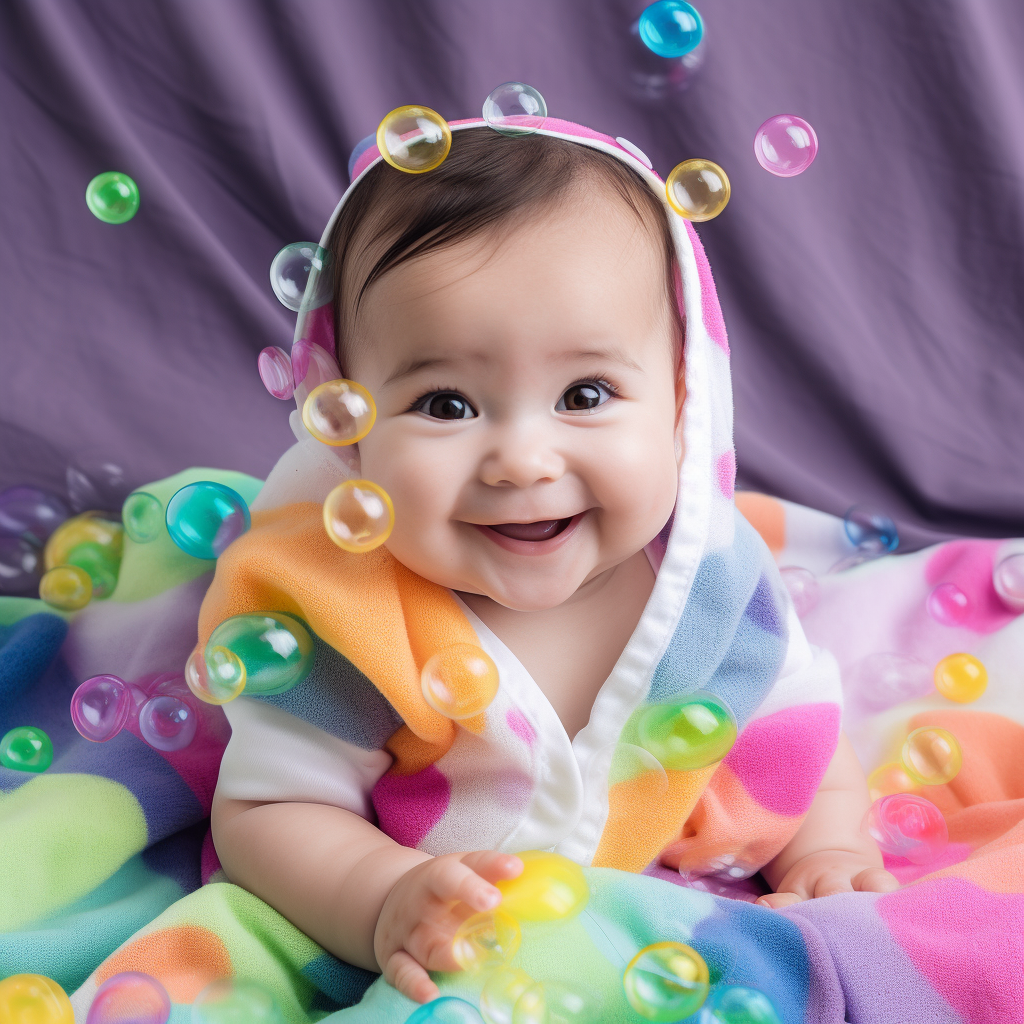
(543,529)
(539,537)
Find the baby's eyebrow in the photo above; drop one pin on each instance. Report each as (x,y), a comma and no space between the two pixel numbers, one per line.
(614,354)
(412,366)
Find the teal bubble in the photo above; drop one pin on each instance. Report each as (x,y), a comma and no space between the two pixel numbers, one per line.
(204,518)
(671,28)
(100,563)
(143,517)
(26,749)
(736,1004)
(112,197)
(275,648)
(445,1010)
(688,732)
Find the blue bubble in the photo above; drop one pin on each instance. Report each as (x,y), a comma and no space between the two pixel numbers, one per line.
(204,518)
(446,1010)
(870,531)
(671,28)
(736,1004)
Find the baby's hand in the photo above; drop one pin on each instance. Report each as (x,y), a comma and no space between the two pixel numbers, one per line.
(427,904)
(825,873)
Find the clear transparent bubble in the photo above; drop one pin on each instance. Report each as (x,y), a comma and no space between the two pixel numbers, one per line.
(652,77)
(515,108)
(34,999)
(31,513)
(785,145)
(737,1004)
(66,587)
(101,707)
(112,197)
(143,517)
(216,678)
(882,680)
(130,998)
(460,681)
(551,888)
(290,270)
(554,1002)
(167,723)
(358,516)
(414,139)
(908,826)
(961,677)
(948,605)
(446,1010)
(666,981)
(275,649)
(671,28)
(931,756)
(500,994)
(21,565)
(890,778)
(688,732)
(803,588)
(1008,579)
(630,762)
(339,412)
(236,1001)
(100,562)
(205,517)
(26,749)
(485,941)
(698,189)
(870,531)
(275,367)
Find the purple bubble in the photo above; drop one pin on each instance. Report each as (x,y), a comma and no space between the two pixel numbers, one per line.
(31,513)
(803,587)
(948,604)
(883,680)
(785,145)
(130,998)
(21,565)
(275,368)
(167,723)
(101,707)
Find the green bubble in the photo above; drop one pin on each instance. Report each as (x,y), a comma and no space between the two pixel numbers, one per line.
(112,197)
(100,563)
(143,517)
(275,649)
(735,1004)
(688,732)
(26,749)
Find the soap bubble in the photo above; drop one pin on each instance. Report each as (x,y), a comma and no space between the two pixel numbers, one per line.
(460,681)
(1008,579)
(666,981)
(890,778)
(66,587)
(931,756)
(698,189)
(112,197)
(736,1004)
(216,678)
(785,145)
(884,679)
(30,513)
(275,367)
(275,649)
(130,998)
(961,677)
(908,826)
(290,270)
(803,588)
(100,563)
(236,1001)
(205,517)
(96,485)
(553,1002)
(358,516)
(26,749)
(143,517)
(101,707)
(653,77)
(414,139)
(688,732)
(551,888)
(34,999)
(339,412)
(671,28)
(21,565)
(89,527)
(870,531)
(515,108)
(167,723)
(445,1010)
(500,994)
(948,604)
(486,940)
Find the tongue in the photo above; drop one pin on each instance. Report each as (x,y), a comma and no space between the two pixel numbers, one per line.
(545,529)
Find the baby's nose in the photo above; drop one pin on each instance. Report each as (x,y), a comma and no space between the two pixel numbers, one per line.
(520,456)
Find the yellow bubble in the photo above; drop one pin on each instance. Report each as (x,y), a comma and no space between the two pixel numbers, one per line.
(961,677)
(698,189)
(931,756)
(485,941)
(66,587)
(552,1002)
(88,527)
(501,993)
(666,981)
(414,139)
(551,888)
(358,515)
(216,678)
(34,999)
(888,779)
(460,681)
(339,412)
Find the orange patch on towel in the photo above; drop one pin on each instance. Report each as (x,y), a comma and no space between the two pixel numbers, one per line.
(766,515)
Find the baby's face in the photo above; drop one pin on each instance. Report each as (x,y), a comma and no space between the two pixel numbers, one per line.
(527,403)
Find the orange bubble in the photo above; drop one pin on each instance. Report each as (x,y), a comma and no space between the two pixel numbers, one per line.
(358,516)
(888,779)
(460,681)
(932,756)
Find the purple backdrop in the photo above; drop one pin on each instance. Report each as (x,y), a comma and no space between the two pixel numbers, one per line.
(875,304)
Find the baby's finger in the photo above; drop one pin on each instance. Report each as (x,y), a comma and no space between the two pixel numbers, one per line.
(404,973)
(875,880)
(452,882)
(778,900)
(831,883)
(492,865)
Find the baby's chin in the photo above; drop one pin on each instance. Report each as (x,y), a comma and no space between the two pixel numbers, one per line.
(522,598)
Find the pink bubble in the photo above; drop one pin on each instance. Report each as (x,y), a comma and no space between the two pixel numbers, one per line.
(167,723)
(803,587)
(908,826)
(101,707)
(883,680)
(130,998)
(785,145)
(1008,579)
(948,604)
(275,368)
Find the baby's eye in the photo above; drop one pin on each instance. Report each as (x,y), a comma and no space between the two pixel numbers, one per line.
(446,405)
(584,397)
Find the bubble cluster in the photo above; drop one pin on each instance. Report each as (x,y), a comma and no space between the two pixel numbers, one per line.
(890,778)
(737,1004)
(785,145)
(339,412)
(803,588)
(870,531)
(26,749)
(515,108)
(1008,580)
(671,28)
(551,888)
(96,485)
(274,649)
(87,528)
(552,1002)
(290,270)
(666,981)
(66,587)
(130,998)
(31,514)
(215,677)
(414,139)
(275,367)
(905,825)
(500,994)
(884,679)
(948,604)
(205,517)
(485,941)
(358,516)
(143,517)
(961,677)
(688,732)
(460,681)
(112,197)
(101,707)
(102,565)
(236,1001)
(34,999)
(931,756)
(445,1010)
(698,189)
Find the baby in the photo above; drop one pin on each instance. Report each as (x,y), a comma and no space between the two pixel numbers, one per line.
(519,315)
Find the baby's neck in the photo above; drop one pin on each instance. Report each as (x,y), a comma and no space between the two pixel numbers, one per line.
(571,649)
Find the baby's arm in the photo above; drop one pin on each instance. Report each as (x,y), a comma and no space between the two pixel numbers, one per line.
(830,853)
(360,895)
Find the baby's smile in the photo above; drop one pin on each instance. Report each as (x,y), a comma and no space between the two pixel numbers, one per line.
(535,538)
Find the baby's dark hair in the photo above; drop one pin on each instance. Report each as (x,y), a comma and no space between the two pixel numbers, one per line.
(486,180)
